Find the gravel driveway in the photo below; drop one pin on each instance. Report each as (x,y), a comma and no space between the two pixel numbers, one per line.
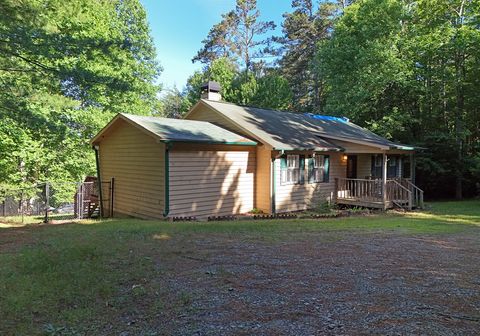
(321,284)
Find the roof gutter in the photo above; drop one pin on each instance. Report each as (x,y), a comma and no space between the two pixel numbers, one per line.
(208,142)
(407,148)
(312,149)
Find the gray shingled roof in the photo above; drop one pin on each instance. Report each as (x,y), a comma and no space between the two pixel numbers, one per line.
(287,130)
(187,130)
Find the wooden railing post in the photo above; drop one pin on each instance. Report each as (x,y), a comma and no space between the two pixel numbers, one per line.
(335,191)
(384,182)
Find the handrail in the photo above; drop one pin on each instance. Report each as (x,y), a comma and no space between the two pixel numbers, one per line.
(413,185)
(351,179)
(418,193)
(400,189)
(394,181)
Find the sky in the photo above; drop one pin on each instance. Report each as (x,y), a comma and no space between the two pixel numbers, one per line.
(178,28)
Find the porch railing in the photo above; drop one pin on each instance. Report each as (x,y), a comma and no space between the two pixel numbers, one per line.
(398,195)
(417,193)
(366,190)
(401,192)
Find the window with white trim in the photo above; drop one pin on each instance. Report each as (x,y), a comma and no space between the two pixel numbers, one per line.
(318,169)
(290,170)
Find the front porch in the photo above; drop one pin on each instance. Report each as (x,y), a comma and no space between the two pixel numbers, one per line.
(390,183)
(400,193)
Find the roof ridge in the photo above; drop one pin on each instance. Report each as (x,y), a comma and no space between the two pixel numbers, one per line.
(167,118)
(273,110)
(255,107)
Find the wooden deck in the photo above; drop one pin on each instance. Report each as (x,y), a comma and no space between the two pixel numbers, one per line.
(376,194)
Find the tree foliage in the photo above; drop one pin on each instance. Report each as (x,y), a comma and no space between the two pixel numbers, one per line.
(233,54)
(267,89)
(65,69)
(409,70)
(302,29)
(239,36)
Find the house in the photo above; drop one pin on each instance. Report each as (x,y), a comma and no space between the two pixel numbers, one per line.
(225,159)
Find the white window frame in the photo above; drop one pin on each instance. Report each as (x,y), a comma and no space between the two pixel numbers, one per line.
(290,174)
(318,168)
(293,169)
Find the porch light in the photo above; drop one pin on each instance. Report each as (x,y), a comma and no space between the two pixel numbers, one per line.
(344,157)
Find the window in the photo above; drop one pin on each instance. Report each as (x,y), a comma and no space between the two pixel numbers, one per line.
(292,169)
(392,167)
(293,165)
(377,162)
(318,169)
(406,168)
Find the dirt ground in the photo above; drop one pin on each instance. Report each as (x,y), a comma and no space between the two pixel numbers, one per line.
(320,283)
(335,284)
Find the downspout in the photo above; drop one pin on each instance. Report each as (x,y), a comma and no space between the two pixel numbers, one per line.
(99,178)
(167,179)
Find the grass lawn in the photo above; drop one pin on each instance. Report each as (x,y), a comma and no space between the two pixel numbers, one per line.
(135,277)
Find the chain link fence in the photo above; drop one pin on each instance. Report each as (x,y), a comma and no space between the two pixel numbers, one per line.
(56,201)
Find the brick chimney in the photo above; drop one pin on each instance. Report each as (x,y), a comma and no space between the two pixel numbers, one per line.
(211,91)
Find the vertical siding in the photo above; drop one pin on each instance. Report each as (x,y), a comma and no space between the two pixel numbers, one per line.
(136,161)
(219,183)
(263,179)
(306,196)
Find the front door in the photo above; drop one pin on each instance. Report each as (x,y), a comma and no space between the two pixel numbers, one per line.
(352,166)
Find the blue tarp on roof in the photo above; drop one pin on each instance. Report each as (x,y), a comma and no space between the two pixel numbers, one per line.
(330,118)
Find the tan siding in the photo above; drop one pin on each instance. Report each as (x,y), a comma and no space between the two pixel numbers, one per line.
(351,147)
(308,195)
(204,113)
(263,179)
(204,183)
(136,161)
(364,166)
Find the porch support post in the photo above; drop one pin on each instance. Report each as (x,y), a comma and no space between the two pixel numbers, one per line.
(335,192)
(384,181)
(400,167)
(273,186)
(412,167)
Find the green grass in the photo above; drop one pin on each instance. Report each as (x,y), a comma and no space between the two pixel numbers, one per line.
(11,221)
(67,279)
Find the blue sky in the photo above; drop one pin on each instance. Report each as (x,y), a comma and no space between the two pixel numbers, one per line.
(178,27)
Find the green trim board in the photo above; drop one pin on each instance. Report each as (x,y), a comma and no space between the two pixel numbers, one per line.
(231,143)
(99,178)
(326,168)
(301,168)
(167,180)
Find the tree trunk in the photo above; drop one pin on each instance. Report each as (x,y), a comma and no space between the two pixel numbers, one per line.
(459,127)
